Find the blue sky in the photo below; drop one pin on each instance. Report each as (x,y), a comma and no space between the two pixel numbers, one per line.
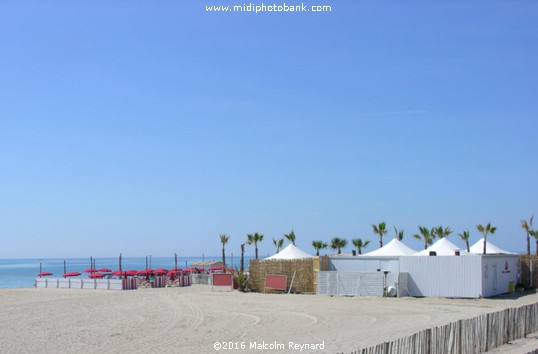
(151,127)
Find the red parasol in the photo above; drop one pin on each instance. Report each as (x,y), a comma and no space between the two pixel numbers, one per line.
(44,274)
(118,272)
(71,274)
(131,272)
(96,275)
(90,270)
(105,270)
(161,271)
(146,271)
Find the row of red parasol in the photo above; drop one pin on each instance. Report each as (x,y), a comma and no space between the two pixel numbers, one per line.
(102,272)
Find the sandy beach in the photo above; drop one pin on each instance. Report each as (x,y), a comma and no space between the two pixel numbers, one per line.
(192,319)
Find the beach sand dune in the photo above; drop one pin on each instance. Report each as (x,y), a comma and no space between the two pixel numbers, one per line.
(192,319)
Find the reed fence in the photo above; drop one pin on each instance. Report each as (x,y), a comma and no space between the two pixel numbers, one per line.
(529,270)
(303,272)
(475,335)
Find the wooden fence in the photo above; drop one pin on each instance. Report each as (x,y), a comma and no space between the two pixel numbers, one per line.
(474,335)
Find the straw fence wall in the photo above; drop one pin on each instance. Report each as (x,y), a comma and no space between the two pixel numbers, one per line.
(474,335)
(305,270)
(529,271)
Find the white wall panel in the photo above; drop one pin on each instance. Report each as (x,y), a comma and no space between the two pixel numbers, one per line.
(443,276)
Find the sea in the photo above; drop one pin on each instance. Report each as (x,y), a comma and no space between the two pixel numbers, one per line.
(21,273)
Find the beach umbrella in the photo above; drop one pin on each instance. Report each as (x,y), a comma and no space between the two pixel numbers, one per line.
(146,271)
(216,268)
(175,260)
(131,272)
(118,272)
(90,270)
(105,270)
(44,274)
(161,271)
(96,275)
(71,274)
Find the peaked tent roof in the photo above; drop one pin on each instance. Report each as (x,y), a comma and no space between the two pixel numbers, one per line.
(393,248)
(478,248)
(290,252)
(443,247)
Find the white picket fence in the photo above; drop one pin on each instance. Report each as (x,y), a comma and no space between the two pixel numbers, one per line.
(474,335)
(79,283)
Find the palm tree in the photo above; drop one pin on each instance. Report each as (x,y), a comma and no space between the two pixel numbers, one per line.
(441,232)
(242,257)
(485,230)
(380,229)
(465,237)
(278,244)
(224,240)
(534,233)
(290,237)
(426,235)
(254,239)
(399,233)
(319,245)
(338,243)
(527,226)
(360,244)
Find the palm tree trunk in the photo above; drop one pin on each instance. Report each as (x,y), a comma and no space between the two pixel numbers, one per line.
(223,259)
(242,257)
(317,252)
(467,244)
(380,241)
(485,240)
(529,244)
(256,246)
(360,250)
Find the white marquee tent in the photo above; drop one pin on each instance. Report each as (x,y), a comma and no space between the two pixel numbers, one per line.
(443,247)
(290,252)
(393,248)
(478,248)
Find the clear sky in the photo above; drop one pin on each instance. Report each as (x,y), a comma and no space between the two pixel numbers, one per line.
(151,127)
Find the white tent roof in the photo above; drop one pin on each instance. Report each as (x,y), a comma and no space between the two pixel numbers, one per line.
(478,248)
(443,247)
(393,248)
(291,252)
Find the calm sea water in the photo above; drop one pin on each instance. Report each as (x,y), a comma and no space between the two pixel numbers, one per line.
(21,273)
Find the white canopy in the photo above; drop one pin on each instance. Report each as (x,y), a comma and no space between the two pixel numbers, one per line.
(478,248)
(291,252)
(393,248)
(443,247)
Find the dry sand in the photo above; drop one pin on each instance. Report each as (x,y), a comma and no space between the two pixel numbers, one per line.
(192,319)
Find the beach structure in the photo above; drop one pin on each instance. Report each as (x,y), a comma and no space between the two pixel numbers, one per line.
(297,267)
(478,248)
(439,271)
(394,248)
(365,274)
(290,252)
(443,247)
